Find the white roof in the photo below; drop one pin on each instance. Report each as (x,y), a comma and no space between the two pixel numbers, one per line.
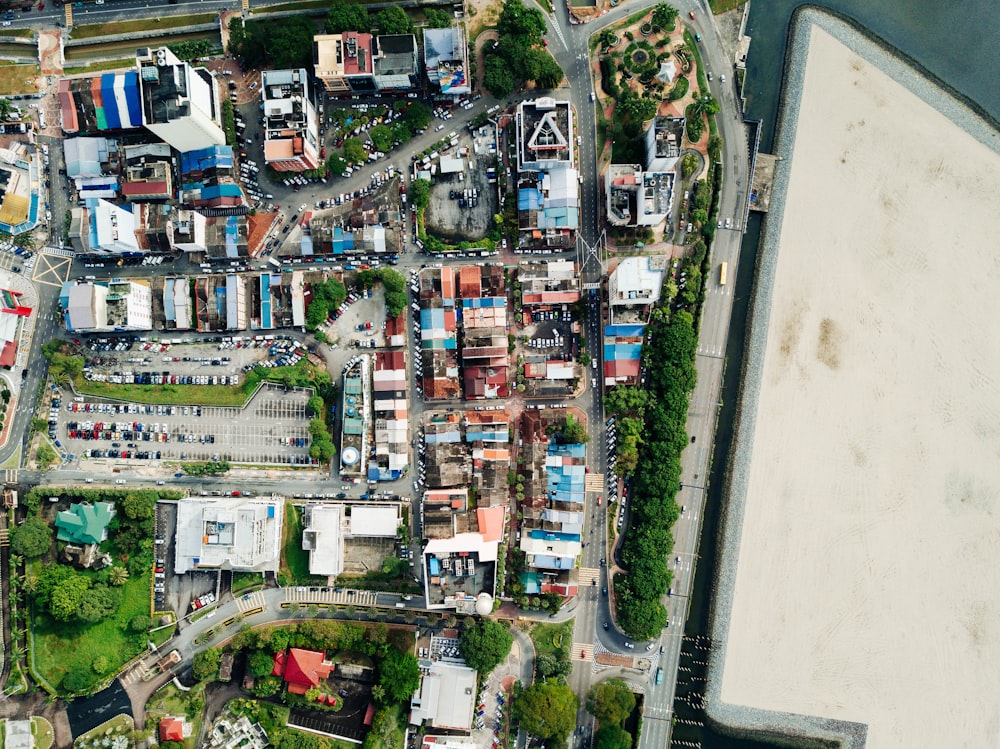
(446,697)
(470,542)
(229,533)
(18,735)
(375,521)
(452,164)
(323,539)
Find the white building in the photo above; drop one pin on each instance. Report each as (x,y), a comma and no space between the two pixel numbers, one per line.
(330,530)
(231,533)
(291,129)
(106,306)
(663,143)
(109,228)
(635,283)
(446,60)
(544,134)
(180,103)
(638,198)
(446,698)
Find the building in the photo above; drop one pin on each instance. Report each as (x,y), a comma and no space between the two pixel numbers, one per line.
(220,302)
(148,173)
(487,433)
(484,323)
(397,62)
(438,334)
(216,237)
(637,198)
(86,157)
(343,62)
(332,531)
(12,314)
(105,228)
(548,284)
(231,533)
(84,524)
(107,102)
(117,304)
(622,354)
(544,129)
(18,735)
(291,128)
(172,729)
(355,420)
(634,289)
(230,732)
(392,424)
(663,143)
(301,669)
(460,571)
(180,103)
(446,60)
(20,180)
(446,697)
(548,191)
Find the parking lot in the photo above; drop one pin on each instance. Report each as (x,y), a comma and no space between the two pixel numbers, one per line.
(455,212)
(272,429)
(176,592)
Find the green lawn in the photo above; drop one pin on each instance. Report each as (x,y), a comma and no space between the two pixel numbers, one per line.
(294,559)
(42,730)
(177,395)
(244,580)
(552,638)
(721,6)
(123,28)
(161,635)
(61,648)
(120,724)
(94,67)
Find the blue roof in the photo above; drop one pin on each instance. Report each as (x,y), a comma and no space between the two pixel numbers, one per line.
(207,158)
(624,331)
(232,236)
(622,351)
(266,321)
(528,199)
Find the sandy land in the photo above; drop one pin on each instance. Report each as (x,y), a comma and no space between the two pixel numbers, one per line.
(868,583)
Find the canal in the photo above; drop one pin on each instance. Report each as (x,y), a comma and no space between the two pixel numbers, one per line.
(947,40)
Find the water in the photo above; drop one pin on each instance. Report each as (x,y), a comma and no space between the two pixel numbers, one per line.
(950,45)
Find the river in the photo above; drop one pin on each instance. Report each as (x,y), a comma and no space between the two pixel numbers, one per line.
(951,41)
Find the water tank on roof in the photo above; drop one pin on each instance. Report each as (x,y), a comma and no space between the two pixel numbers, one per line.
(484,604)
(349,456)
(351,412)
(351,400)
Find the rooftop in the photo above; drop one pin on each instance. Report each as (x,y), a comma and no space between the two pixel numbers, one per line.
(234,533)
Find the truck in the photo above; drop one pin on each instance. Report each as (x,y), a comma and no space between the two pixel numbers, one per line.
(723,272)
(274,262)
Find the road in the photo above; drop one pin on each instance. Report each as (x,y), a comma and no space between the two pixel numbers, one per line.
(569,45)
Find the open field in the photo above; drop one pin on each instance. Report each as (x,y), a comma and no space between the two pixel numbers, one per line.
(118,28)
(19,79)
(865,587)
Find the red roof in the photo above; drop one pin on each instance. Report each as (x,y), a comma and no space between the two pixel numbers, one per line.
(8,355)
(302,669)
(171,729)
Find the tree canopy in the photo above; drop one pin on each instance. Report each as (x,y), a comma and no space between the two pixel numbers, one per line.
(547,710)
(32,538)
(485,644)
(346,15)
(420,193)
(393,20)
(519,54)
(205,664)
(664,16)
(611,702)
(278,42)
(612,737)
(399,675)
(437,19)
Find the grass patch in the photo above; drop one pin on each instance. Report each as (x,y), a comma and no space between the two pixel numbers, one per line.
(123,28)
(161,635)
(19,79)
(302,5)
(294,559)
(26,33)
(60,648)
(120,725)
(168,395)
(244,580)
(169,700)
(721,6)
(93,67)
(41,729)
(553,639)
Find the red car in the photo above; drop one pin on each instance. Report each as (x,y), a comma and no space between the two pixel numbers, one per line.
(599,500)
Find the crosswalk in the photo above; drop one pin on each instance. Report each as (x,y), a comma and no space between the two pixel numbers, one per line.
(594,482)
(582,651)
(589,576)
(10,476)
(137,673)
(57,252)
(250,601)
(341,596)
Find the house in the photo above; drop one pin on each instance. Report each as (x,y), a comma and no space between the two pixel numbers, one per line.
(291,127)
(20,177)
(84,523)
(446,60)
(12,312)
(301,669)
(634,289)
(172,729)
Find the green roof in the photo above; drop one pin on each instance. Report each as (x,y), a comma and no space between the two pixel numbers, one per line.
(84,524)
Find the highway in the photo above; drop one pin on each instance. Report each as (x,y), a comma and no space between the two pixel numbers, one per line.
(569,44)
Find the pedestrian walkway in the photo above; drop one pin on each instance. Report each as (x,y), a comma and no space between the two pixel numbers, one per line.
(589,576)
(57,252)
(582,651)
(139,672)
(250,601)
(341,596)
(594,482)
(10,476)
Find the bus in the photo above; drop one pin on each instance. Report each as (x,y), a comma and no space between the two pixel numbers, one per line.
(723,270)
(659,676)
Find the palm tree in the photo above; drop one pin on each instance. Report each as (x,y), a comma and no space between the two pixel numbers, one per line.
(30,583)
(378,693)
(117,576)
(16,560)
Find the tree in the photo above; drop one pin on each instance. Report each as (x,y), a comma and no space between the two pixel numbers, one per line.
(715,148)
(417,115)
(101,665)
(664,16)
(205,664)
(517,20)
(354,151)
(66,597)
(437,19)
(612,737)
(336,165)
(420,193)
(611,702)
(347,16)
(497,76)
(485,645)
(139,623)
(99,603)
(399,675)
(139,506)
(289,41)
(393,20)
(381,135)
(32,538)
(266,686)
(573,432)
(547,710)
(259,664)
(688,164)
(315,405)
(118,575)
